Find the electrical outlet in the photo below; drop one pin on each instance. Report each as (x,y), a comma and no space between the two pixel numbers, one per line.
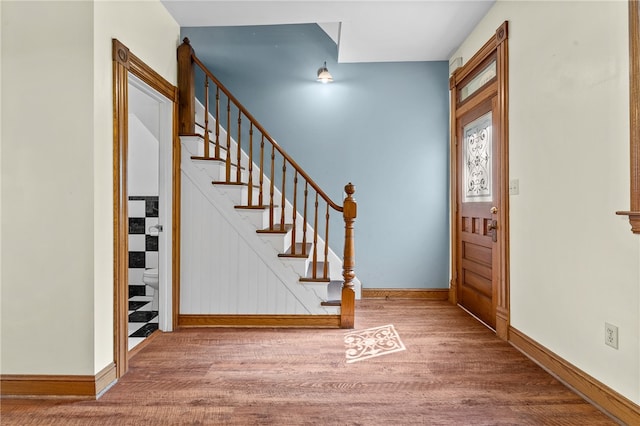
(611,335)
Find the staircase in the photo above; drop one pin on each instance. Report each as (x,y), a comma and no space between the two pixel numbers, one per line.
(254,227)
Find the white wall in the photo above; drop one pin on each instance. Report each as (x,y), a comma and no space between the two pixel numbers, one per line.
(143,160)
(47,192)
(57,202)
(574,264)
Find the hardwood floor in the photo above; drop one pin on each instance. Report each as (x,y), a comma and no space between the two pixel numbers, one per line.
(454,371)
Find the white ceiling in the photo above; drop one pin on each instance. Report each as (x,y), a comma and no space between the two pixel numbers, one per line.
(365,31)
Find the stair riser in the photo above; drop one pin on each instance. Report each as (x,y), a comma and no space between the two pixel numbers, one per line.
(257,218)
(280,242)
(237,193)
(300,266)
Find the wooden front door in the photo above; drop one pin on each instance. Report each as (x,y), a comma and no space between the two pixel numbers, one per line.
(477,201)
(480,181)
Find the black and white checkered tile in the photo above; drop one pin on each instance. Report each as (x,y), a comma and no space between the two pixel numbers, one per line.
(142,320)
(143,253)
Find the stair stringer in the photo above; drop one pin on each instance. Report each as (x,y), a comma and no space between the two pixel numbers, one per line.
(226,267)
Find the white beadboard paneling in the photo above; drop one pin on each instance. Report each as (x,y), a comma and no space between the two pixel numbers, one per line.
(227,268)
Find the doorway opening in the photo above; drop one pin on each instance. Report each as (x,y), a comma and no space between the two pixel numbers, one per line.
(479,184)
(149,211)
(153,117)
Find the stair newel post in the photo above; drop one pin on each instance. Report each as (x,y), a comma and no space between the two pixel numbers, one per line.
(349,212)
(186,89)
(206,116)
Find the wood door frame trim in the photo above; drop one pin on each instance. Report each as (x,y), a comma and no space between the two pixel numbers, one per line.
(125,62)
(634,115)
(498,45)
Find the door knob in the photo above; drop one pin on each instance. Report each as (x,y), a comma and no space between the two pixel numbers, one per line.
(494,210)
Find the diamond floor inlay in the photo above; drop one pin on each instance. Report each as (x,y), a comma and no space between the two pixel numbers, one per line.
(372,342)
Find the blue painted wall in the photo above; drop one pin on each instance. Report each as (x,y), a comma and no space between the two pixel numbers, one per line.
(382,126)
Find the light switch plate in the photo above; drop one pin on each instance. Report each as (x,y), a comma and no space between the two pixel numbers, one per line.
(514,187)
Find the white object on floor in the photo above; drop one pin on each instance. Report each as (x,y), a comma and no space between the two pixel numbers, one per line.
(150,278)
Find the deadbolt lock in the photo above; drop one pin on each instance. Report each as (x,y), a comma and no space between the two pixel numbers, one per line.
(492,227)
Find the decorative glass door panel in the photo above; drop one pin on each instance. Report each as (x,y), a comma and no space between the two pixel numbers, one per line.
(477,156)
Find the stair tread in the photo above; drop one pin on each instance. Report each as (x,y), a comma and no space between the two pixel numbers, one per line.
(319,273)
(197,157)
(221,182)
(218,159)
(314,280)
(331,303)
(298,254)
(263,207)
(276,229)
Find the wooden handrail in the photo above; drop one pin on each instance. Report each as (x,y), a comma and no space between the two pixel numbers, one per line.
(261,129)
(187,61)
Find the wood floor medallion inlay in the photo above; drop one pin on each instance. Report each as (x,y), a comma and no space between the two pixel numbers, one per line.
(372,342)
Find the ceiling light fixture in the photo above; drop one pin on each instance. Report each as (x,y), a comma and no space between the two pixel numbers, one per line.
(324,76)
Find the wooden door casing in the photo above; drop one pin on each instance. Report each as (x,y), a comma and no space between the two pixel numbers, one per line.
(489,92)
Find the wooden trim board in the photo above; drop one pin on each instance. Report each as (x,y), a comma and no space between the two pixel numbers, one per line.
(284,321)
(57,386)
(594,391)
(634,115)
(125,62)
(406,293)
(496,47)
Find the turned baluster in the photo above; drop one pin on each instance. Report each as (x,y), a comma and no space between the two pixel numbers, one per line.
(293,218)
(227,173)
(260,196)
(206,116)
(217,152)
(250,184)
(239,149)
(283,199)
(315,241)
(271,188)
(304,219)
(325,269)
